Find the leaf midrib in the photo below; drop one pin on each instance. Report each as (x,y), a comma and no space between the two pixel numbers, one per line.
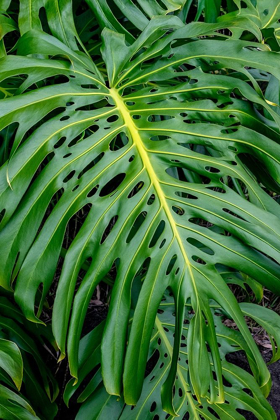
(153,177)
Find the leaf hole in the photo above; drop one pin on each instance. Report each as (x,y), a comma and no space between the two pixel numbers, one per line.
(234,214)
(88,86)
(159,138)
(217,189)
(210,409)
(59,143)
(248,391)
(112,185)
(226,382)
(212,169)
(200,246)
(118,142)
(162,244)
(178,210)
(91,164)
(229,130)
(151,200)
(186,195)
(171,264)
(109,228)
(198,260)
(2,214)
(75,141)
(93,191)
(69,176)
(136,225)
(136,189)
(157,234)
(153,406)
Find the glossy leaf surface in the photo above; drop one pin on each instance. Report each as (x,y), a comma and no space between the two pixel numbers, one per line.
(168,151)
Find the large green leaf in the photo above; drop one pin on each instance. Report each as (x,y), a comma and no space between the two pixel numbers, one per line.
(60,19)
(94,398)
(11,361)
(154,157)
(14,407)
(137,13)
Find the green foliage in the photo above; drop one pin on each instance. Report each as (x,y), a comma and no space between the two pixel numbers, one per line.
(22,360)
(140,148)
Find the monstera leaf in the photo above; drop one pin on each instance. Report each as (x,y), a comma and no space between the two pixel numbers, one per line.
(241,390)
(165,151)
(259,14)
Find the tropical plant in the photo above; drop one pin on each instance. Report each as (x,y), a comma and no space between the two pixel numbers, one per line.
(21,359)
(145,157)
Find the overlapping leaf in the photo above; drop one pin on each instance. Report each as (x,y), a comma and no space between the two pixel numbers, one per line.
(242,392)
(21,361)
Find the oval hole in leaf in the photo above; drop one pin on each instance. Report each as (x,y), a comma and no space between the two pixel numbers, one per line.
(112,185)
(136,225)
(234,214)
(118,142)
(171,264)
(60,142)
(75,141)
(200,246)
(2,214)
(159,138)
(91,164)
(151,199)
(109,228)
(212,170)
(198,260)
(217,189)
(69,176)
(136,189)
(153,406)
(210,409)
(162,243)
(93,191)
(152,362)
(112,118)
(178,210)
(158,232)
(186,195)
